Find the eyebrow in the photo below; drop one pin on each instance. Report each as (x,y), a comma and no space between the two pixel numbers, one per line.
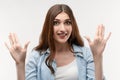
(59,19)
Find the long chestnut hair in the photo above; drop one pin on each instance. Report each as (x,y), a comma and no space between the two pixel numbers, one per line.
(46,39)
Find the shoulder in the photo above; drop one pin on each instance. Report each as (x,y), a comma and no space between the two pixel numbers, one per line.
(34,53)
(33,56)
(84,51)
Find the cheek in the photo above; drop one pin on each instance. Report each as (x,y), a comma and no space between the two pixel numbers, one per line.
(54,30)
(70,30)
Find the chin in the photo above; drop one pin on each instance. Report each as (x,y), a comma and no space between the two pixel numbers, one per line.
(62,41)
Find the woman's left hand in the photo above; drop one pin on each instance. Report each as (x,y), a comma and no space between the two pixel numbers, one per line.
(98,44)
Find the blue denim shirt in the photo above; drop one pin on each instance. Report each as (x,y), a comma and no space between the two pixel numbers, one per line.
(36,68)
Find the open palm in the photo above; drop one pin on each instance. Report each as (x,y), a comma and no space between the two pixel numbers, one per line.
(16,50)
(98,44)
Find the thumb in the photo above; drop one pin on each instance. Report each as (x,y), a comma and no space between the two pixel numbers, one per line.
(87,38)
(26,45)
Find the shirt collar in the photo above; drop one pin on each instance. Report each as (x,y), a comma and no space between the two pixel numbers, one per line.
(78,51)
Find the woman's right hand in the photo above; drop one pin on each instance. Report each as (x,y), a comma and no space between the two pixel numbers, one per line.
(17,52)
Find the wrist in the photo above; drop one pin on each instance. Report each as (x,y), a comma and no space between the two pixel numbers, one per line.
(20,71)
(98,67)
(98,59)
(97,56)
(20,65)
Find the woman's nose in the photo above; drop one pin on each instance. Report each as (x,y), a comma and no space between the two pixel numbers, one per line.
(62,27)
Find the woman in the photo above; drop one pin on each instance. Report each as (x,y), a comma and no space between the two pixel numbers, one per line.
(60,54)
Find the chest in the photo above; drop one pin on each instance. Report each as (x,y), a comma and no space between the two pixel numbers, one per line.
(67,72)
(64,59)
(46,74)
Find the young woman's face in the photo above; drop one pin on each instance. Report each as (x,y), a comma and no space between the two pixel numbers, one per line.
(62,28)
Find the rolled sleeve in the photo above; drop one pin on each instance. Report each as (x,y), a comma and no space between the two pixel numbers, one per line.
(90,65)
(31,67)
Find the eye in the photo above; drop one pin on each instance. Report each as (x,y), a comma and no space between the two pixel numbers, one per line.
(68,22)
(55,23)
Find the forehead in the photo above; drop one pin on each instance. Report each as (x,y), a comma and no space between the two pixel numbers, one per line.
(62,16)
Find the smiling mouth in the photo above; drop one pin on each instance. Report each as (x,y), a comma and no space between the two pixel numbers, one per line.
(62,34)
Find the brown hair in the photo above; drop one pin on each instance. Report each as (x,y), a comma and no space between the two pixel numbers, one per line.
(46,39)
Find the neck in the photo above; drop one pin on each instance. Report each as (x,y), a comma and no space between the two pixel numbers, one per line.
(61,48)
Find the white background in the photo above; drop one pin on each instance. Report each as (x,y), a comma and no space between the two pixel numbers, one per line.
(26,17)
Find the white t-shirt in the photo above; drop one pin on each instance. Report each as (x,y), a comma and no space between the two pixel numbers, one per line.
(67,72)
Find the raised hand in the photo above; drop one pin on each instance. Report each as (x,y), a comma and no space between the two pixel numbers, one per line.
(98,44)
(97,47)
(16,50)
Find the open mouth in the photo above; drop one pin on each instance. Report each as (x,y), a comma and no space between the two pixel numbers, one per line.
(62,35)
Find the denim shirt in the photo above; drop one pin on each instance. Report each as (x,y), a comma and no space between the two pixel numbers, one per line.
(36,69)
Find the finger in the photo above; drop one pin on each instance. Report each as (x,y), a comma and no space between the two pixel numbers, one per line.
(101,31)
(97,31)
(11,50)
(11,39)
(26,45)
(88,39)
(16,40)
(108,37)
(7,46)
